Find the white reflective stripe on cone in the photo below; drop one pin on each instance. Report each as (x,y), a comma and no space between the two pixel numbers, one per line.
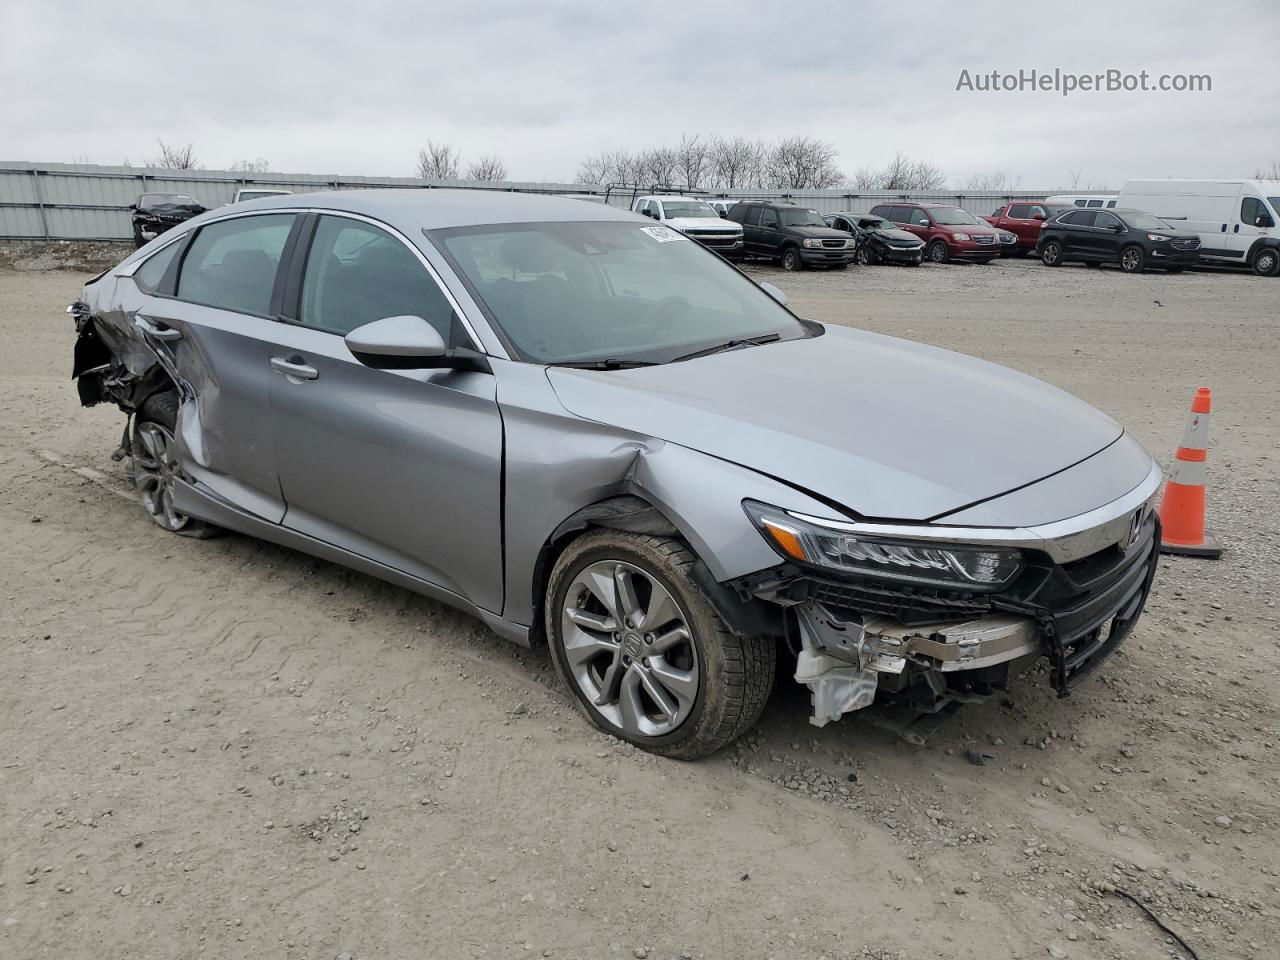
(1189,473)
(1196,436)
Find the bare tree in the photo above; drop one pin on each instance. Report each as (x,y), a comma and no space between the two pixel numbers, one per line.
(693,157)
(1075,176)
(900,173)
(801,162)
(658,166)
(597,169)
(488,167)
(257,165)
(992,180)
(734,163)
(175,157)
(1264,173)
(866,178)
(439,161)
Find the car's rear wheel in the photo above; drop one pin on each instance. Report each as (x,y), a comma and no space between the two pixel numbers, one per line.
(1132,259)
(1051,253)
(643,651)
(937,252)
(1266,262)
(155,466)
(791,260)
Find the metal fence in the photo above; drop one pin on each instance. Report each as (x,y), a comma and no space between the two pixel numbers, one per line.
(61,201)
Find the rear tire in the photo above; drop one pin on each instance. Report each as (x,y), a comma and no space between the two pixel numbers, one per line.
(1051,254)
(629,628)
(937,252)
(791,260)
(1133,259)
(155,466)
(1266,262)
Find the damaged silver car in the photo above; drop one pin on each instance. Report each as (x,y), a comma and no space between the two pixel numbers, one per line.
(590,432)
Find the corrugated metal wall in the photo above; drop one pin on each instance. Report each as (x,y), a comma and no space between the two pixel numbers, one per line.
(61,201)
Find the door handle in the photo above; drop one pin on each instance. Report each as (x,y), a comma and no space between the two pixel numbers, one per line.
(157,331)
(295,368)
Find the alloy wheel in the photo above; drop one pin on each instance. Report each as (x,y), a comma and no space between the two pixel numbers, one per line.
(1131,259)
(629,648)
(1051,253)
(155,469)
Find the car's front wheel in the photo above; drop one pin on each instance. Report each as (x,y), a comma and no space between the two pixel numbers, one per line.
(643,651)
(864,256)
(155,466)
(1051,254)
(937,252)
(1132,259)
(1266,262)
(791,260)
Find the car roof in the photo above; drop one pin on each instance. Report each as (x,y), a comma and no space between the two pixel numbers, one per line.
(412,209)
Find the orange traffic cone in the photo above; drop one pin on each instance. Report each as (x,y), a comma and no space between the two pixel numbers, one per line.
(1182,509)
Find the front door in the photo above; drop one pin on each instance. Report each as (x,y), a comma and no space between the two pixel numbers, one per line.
(399,466)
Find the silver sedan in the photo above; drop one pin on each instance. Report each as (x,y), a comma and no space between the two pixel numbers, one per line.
(590,432)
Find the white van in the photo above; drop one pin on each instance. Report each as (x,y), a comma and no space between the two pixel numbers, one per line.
(1236,219)
(1090,200)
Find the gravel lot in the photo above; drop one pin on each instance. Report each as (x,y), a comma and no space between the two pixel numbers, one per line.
(225,749)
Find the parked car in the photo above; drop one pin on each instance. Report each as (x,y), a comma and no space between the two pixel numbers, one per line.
(585,430)
(796,237)
(879,241)
(721,205)
(154,213)
(1024,218)
(948,233)
(695,219)
(1131,238)
(1238,221)
(257,193)
(1091,201)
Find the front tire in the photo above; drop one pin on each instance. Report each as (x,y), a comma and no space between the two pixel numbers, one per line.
(791,260)
(1266,263)
(865,256)
(1133,259)
(156,469)
(937,252)
(643,651)
(1051,254)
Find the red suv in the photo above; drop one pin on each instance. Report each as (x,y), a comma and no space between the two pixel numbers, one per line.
(949,233)
(1024,219)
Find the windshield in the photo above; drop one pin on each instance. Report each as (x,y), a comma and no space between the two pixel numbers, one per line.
(1145,221)
(576,292)
(1275,205)
(687,208)
(875,223)
(795,217)
(951,216)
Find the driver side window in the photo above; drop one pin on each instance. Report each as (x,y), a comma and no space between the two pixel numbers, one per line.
(768,217)
(357,273)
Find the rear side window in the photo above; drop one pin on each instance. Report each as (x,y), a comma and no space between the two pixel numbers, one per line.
(1093,203)
(1080,218)
(357,273)
(232,264)
(150,275)
(1110,204)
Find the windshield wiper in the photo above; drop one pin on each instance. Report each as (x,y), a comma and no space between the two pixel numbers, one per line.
(731,345)
(606,364)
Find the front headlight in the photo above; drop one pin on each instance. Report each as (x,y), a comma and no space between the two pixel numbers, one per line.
(901,560)
(1158,238)
(961,236)
(850,243)
(812,242)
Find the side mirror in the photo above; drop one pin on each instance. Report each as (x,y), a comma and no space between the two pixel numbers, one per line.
(774,292)
(408,343)
(922,223)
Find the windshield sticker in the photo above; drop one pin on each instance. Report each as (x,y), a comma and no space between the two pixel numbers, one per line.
(661,234)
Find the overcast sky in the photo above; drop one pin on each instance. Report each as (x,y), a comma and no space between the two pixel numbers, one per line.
(357,88)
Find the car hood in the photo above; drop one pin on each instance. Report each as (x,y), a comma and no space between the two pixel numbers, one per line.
(703,223)
(973,229)
(886,428)
(899,235)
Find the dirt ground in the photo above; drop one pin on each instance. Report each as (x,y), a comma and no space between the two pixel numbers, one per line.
(225,749)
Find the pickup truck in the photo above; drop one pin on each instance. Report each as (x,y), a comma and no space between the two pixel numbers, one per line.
(696,220)
(1024,219)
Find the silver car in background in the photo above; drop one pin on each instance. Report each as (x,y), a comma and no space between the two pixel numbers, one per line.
(590,432)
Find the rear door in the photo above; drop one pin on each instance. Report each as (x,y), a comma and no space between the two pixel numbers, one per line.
(770,235)
(399,466)
(212,326)
(1077,237)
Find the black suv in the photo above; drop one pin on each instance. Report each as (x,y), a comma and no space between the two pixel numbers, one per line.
(1131,238)
(796,237)
(154,213)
